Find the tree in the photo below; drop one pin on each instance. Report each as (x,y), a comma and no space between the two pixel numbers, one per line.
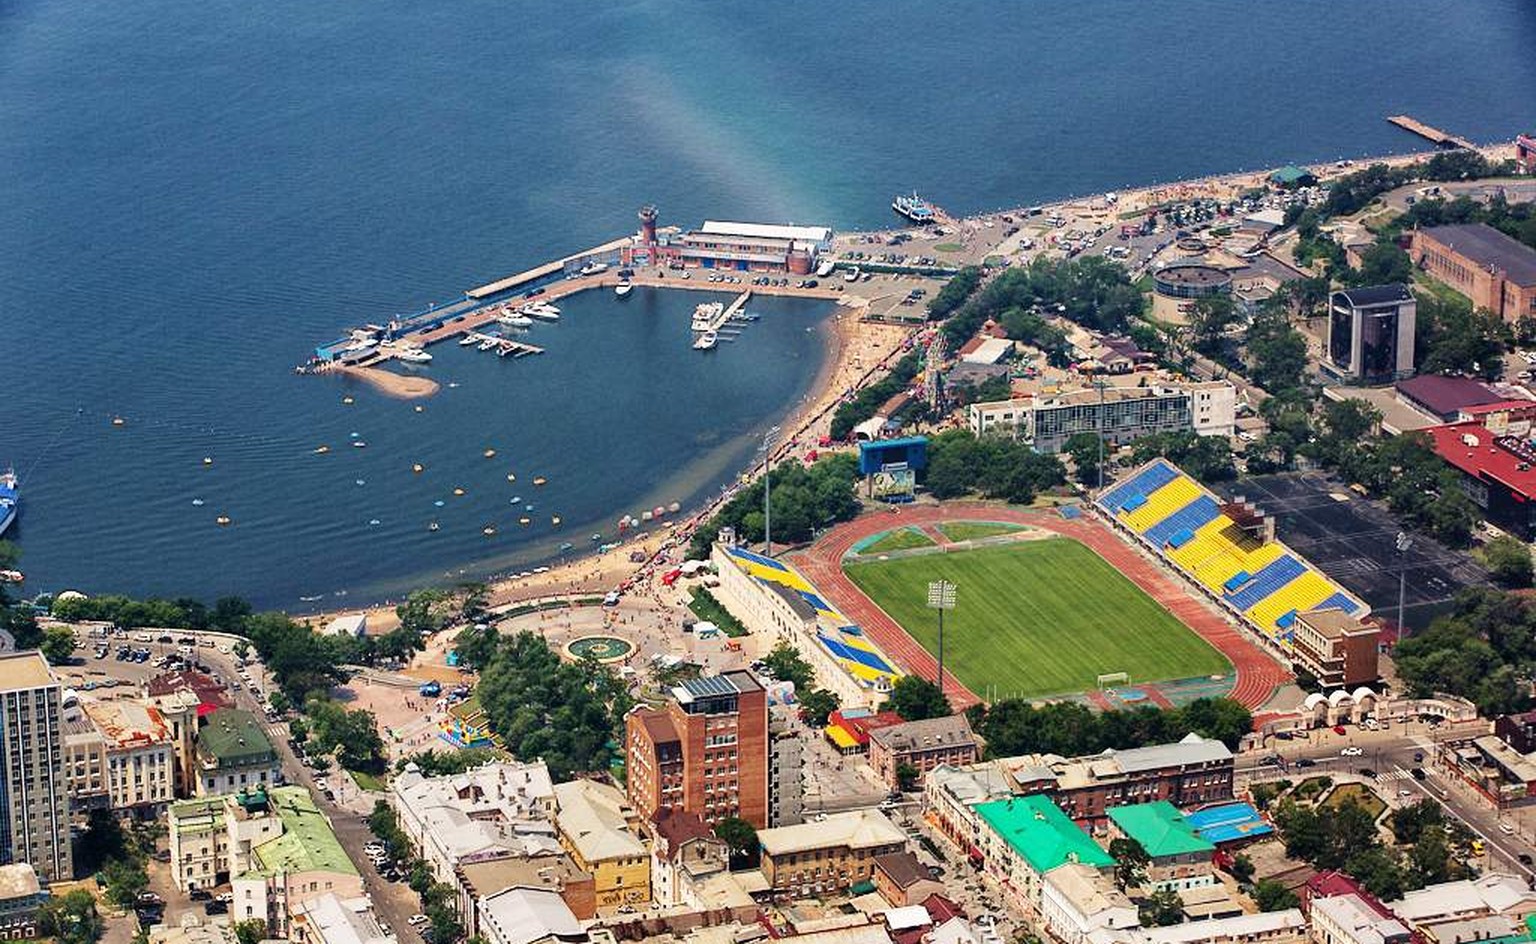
(915,699)
(1131,861)
(1382,264)
(123,880)
(1209,319)
(1084,449)
(739,836)
(58,645)
(71,918)
(1271,895)
(1242,868)
(352,735)
(1162,908)
(242,649)
(1509,561)
(229,614)
(250,931)
(1380,871)
(816,705)
(906,777)
(102,839)
(785,663)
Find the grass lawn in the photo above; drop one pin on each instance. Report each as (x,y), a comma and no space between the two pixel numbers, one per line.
(949,247)
(370,782)
(1361,794)
(706,607)
(972,530)
(1038,618)
(899,540)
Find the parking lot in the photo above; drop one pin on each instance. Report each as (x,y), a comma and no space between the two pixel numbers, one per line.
(1353,541)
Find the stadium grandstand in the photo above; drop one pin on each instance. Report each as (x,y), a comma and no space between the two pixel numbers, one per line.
(834,633)
(1228,549)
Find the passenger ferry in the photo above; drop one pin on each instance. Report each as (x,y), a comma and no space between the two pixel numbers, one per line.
(914,208)
(10,498)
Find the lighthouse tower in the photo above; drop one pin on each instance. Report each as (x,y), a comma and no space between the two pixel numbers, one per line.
(648,225)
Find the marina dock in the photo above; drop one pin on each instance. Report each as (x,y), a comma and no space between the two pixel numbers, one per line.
(505,346)
(1441,138)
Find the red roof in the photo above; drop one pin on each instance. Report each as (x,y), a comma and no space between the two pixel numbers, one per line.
(1488,460)
(941,909)
(859,726)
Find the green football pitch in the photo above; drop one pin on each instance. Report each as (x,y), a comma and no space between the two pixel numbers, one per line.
(1042,617)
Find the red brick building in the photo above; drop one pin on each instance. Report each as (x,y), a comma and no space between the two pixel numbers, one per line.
(922,744)
(1335,648)
(705,753)
(1491,269)
(1525,153)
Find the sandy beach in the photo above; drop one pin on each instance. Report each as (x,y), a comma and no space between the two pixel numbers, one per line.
(391,384)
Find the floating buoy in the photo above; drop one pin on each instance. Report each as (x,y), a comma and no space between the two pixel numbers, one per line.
(117,421)
(197,503)
(458,491)
(373,522)
(417,468)
(527,507)
(354,435)
(322,450)
(555,521)
(438,504)
(347,400)
(432,526)
(525,522)
(359,481)
(488,530)
(222,520)
(489,453)
(207,460)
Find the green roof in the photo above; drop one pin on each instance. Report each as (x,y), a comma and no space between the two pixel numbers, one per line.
(199,815)
(1160,828)
(234,738)
(307,843)
(1290,174)
(1040,832)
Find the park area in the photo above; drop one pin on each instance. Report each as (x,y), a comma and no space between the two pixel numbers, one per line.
(1034,618)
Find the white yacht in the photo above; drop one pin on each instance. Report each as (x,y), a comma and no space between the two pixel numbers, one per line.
(467,340)
(623,289)
(825,269)
(705,315)
(541,310)
(514,320)
(593,268)
(706,341)
(413,355)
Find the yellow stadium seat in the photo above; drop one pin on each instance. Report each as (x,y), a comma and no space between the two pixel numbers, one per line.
(1162,503)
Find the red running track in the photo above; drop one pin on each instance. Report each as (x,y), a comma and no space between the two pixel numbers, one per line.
(1257,673)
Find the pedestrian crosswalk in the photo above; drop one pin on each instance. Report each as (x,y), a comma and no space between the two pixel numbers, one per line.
(1397,773)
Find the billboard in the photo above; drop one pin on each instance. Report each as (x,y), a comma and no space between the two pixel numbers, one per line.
(894,483)
(909,451)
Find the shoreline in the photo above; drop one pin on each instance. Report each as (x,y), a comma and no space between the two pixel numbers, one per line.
(844,370)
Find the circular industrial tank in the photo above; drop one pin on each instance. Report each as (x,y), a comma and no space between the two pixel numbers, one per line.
(1192,280)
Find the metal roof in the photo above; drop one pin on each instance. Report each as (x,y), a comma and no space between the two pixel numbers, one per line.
(816,234)
(1376,294)
(1487,246)
(1040,832)
(1160,828)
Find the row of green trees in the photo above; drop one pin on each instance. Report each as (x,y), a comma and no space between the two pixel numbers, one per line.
(863,404)
(805,498)
(1017,726)
(786,664)
(1484,650)
(438,900)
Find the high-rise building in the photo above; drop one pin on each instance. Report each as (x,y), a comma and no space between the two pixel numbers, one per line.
(1370,333)
(34,792)
(705,752)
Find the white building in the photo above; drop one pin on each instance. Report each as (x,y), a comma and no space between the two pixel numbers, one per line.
(520,915)
(983,418)
(1497,893)
(505,808)
(140,755)
(331,919)
(1350,919)
(1077,901)
(1272,927)
(350,624)
(1119,414)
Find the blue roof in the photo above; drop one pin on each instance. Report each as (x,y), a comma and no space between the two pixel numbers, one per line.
(861,656)
(1229,822)
(1339,601)
(1180,538)
(745,554)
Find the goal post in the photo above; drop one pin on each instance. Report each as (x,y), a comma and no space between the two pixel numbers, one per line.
(1110,679)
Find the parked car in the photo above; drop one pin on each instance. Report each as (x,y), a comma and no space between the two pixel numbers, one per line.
(200,894)
(215,907)
(1351,752)
(1419,774)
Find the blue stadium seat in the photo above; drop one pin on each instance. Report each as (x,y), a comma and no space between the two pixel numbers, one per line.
(1180,538)
(1339,601)
(1201,511)
(1150,479)
(1267,581)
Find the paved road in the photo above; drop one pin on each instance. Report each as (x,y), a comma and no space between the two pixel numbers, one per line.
(394,902)
(1391,754)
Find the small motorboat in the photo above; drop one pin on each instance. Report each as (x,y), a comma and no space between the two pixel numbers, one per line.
(346,401)
(623,289)
(207,460)
(359,444)
(458,491)
(413,355)
(540,480)
(222,521)
(432,526)
(197,503)
(525,522)
(516,500)
(489,453)
(466,340)
(555,521)
(566,547)
(511,476)
(321,450)
(488,530)
(417,468)
(118,421)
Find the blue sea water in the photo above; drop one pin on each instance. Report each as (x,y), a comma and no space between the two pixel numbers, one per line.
(197,192)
